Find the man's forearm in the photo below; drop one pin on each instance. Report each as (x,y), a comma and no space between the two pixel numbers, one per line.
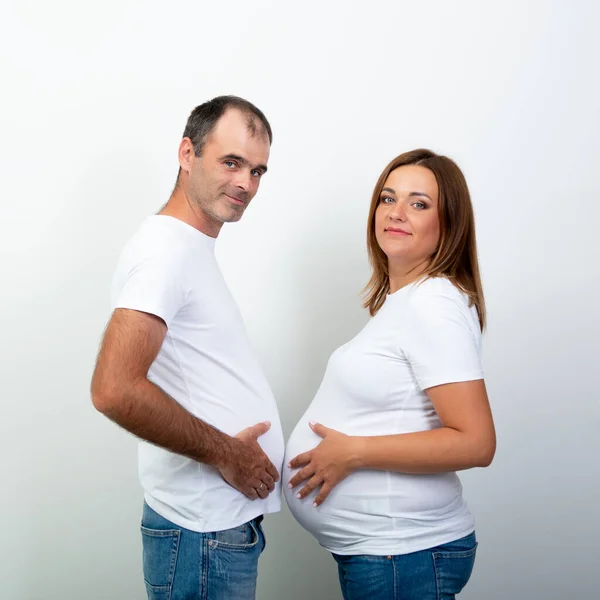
(149,413)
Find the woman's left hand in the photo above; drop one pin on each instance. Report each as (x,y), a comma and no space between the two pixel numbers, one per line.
(330,462)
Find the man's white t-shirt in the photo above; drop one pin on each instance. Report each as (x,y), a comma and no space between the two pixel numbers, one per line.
(205,363)
(424,335)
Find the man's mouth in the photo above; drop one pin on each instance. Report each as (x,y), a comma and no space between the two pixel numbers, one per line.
(235,200)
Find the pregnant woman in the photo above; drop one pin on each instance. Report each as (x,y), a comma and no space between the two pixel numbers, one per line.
(403,405)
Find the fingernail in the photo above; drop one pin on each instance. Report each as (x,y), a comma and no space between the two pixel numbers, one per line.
(298,495)
(290,486)
(315,504)
(268,423)
(289,465)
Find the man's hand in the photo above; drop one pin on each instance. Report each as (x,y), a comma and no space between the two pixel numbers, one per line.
(325,466)
(247,468)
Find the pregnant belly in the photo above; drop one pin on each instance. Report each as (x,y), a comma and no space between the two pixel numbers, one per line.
(369,503)
(357,504)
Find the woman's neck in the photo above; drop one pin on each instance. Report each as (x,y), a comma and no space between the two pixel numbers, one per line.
(401,274)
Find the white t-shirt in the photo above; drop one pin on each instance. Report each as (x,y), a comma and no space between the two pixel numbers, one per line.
(424,335)
(205,363)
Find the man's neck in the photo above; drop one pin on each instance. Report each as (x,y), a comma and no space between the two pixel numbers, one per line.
(181,208)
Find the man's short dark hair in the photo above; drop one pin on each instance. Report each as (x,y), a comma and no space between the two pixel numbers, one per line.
(204,118)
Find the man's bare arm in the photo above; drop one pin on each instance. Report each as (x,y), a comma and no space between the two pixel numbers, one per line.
(121,391)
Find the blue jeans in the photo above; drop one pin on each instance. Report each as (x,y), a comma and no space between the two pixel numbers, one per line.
(434,574)
(180,564)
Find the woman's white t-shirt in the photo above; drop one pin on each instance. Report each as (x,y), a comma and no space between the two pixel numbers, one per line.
(424,335)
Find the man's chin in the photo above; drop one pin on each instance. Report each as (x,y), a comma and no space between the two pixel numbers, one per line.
(228,212)
(233,216)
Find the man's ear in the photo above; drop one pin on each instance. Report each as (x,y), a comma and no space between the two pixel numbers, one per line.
(186,154)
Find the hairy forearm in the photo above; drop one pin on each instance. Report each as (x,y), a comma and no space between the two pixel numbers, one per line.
(435,451)
(148,412)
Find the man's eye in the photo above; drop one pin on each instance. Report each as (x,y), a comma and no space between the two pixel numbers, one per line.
(229,163)
(255,173)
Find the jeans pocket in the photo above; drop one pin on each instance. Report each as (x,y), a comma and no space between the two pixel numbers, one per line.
(364,576)
(242,537)
(261,533)
(453,570)
(160,548)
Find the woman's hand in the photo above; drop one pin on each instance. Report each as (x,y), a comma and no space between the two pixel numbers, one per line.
(330,462)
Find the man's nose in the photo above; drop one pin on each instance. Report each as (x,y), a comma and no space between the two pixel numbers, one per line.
(243,180)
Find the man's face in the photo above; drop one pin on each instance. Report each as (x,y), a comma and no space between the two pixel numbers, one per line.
(225,178)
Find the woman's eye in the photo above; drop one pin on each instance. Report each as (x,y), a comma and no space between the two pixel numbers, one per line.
(419,205)
(386,199)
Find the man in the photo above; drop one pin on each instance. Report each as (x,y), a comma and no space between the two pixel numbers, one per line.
(176,369)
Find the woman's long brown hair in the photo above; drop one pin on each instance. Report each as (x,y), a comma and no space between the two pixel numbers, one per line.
(456,254)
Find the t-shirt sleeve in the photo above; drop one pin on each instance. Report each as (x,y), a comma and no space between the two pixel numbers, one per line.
(441,342)
(152,285)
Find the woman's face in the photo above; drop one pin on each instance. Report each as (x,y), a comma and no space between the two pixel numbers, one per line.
(407,225)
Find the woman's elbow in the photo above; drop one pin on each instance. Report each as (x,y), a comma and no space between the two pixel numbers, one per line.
(485,453)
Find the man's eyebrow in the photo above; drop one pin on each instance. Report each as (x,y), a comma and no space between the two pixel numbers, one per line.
(243,161)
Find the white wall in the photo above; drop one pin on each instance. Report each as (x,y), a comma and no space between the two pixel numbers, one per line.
(94,100)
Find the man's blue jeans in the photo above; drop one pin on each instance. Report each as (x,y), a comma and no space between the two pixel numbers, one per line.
(435,574)
(180,564)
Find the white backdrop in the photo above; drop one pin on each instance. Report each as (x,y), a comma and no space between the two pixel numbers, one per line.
(94,100)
